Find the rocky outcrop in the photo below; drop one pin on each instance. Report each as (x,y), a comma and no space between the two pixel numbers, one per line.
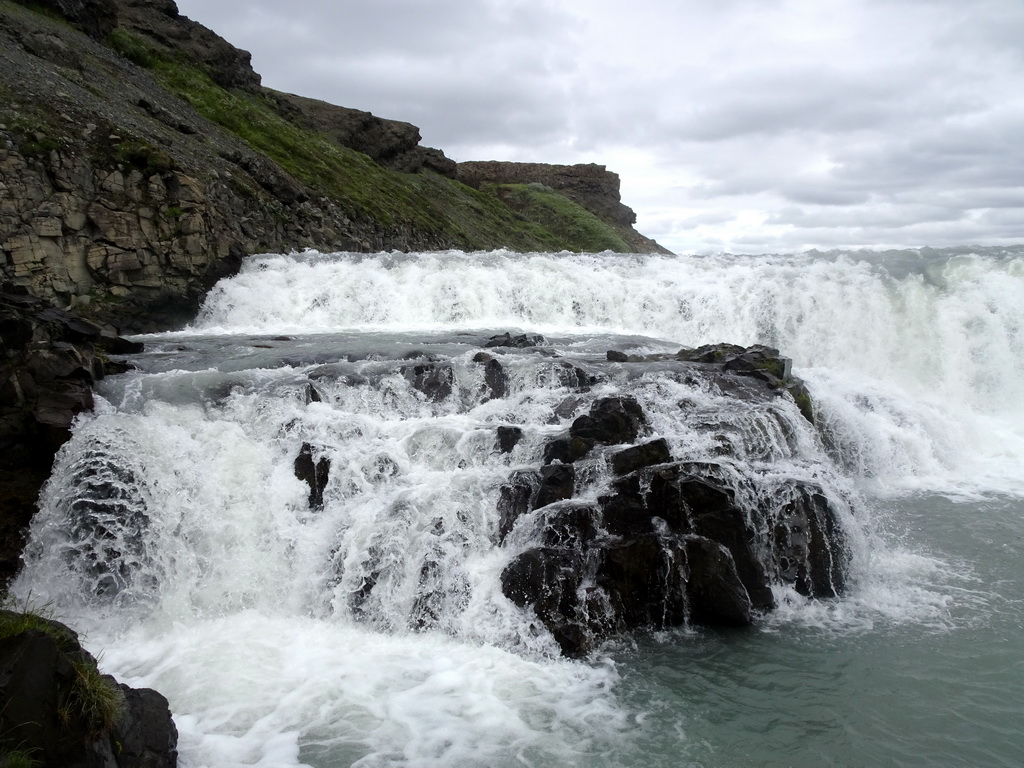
(97,18)
(49,360)
(56,709)
(391,143)
(672,541)
(159,24)
(592,186)
(675,493)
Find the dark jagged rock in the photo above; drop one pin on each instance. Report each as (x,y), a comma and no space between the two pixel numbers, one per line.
(391,143)
(508,438)
(670,541)
(567,449)
(49,360)
(612,420)
(715,592)
(692,499)
(639,456)
(312,395)
(146,736)
(495,377)
(557,483)
(522,341)
(314,472)
(808,543)
(159,22)
(573,377)
(548,581)
(44,671)
(435,380)
(97,18)
(515,499)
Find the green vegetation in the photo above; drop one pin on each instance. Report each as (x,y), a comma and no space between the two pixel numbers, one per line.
(556,213)
(142,155)
(132,47)
(430,205)
(17,758)
(94,699)
(15,622)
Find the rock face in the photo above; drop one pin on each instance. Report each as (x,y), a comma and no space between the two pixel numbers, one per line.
(671,541)
(158,21)
(391,143)
(121,197)
(57,708)
(592,186)
(49,359)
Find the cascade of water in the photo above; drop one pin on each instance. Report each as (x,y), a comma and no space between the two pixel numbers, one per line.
(367,480)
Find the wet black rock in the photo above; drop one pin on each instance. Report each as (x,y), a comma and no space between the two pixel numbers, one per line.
(567,449)
(515,499)
(638,456)
(495,376)
(521,341)
(433,379)
(557,483)
(49,360)
(44,672)
(314,471)
(611,421)
(508,438)
(669,542)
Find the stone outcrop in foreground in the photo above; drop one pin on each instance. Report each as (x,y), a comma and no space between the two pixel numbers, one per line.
(57,710)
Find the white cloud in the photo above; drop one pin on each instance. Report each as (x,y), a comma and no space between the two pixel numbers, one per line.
(749,125)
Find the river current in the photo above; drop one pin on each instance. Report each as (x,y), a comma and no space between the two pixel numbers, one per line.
(213,578)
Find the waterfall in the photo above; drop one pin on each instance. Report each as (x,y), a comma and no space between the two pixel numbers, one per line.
(298,515)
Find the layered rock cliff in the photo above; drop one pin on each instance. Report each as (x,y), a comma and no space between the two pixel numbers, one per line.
(141,159)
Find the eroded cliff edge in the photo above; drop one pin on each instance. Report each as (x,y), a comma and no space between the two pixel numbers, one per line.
(141,159)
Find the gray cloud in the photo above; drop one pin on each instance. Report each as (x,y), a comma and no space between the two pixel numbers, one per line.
(740,125)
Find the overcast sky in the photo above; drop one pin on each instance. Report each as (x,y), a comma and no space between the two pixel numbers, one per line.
(747,126)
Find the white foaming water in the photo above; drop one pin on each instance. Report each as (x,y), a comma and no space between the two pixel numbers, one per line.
(373,631)
(917,359)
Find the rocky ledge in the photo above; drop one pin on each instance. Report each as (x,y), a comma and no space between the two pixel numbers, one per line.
(609,531)
(49,360)
(56,709)
(672,541)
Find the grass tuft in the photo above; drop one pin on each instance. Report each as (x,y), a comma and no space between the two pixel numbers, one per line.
(95,699)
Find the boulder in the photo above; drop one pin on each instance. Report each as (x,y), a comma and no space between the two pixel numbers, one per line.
(611,421)
(508,438)
(56,707)
(433,379)
(314,471)
(522,341)
(495,376)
